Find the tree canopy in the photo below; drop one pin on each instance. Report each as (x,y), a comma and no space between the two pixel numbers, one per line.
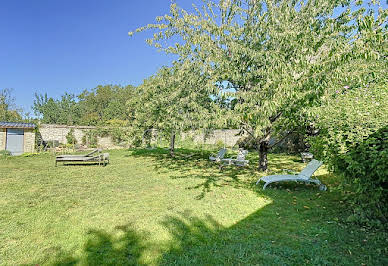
(8,110)
(174,100)
(94,107)
(275,59)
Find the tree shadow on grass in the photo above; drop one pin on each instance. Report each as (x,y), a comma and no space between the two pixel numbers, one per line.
(123,247)
(194,164)
(272,235)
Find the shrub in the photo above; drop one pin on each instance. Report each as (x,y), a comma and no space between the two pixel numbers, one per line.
(90,138)
(5,153)
(220,144)
(70,138)
(349,121)
(365,168)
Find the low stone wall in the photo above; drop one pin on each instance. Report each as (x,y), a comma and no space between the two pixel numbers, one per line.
(58,133)
(3,138)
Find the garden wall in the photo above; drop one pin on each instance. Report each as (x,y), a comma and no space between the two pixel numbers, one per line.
(2,138)
(58,133)
(29,140)
(228,137)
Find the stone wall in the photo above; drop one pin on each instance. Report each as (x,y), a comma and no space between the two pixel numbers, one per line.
(59,132)
(29,140)
(3,138)
(228,137)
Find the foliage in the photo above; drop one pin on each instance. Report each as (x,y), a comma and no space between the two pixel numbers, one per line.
(8,111)
(118,130)
(90,138)
(174,100)
(5,153)
(95,107)
(365,168)
(355,107)
(105,103)
(65,111)
(70,137)
(271,59)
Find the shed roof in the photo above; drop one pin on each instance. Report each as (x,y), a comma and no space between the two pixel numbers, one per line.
(16,125)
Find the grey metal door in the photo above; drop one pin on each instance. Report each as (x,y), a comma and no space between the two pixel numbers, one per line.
(15,141)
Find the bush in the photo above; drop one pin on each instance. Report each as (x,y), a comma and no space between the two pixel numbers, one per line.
(5,153)
(90,138)
(365,168)
(52,144)
(220,144)
(70,138)
(352,122)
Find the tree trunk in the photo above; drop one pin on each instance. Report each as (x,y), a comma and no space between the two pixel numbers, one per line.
(263,151)
(172,144)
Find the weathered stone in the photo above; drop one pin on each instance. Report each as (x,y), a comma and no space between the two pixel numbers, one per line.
(29,140)
(3,138)
(59,133)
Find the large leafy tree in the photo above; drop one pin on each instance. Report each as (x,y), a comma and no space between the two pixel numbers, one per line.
(8,111)
(274,58)
(175,99)
(105,103)
(355,105)
(64,111)
(353,117)
(95,107)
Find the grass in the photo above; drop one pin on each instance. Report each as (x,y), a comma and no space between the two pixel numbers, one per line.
(148,209)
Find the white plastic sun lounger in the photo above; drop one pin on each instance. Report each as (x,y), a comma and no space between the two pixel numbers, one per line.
(219,156)
(303,176)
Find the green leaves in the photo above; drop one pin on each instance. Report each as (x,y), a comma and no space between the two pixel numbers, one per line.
(279,58)
(8,111)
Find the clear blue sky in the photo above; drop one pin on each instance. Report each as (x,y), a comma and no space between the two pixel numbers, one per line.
(58,46)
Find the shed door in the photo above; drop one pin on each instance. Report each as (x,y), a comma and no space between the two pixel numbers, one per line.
(15,141)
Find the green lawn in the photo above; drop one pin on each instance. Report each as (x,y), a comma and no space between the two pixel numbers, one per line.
(146,208)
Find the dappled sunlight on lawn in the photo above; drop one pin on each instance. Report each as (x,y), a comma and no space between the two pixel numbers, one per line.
(148,208)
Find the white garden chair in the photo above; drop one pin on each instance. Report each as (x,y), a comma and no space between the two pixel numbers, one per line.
(240,159)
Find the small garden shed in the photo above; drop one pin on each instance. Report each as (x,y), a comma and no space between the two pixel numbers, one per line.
(17,138)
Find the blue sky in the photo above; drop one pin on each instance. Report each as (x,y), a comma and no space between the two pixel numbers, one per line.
(59,46)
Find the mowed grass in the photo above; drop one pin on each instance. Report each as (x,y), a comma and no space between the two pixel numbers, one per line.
(148,209)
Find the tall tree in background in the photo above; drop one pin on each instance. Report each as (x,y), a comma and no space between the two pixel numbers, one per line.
(8,110)
(95,107)
(65,111)
(277,57)
(105,103)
